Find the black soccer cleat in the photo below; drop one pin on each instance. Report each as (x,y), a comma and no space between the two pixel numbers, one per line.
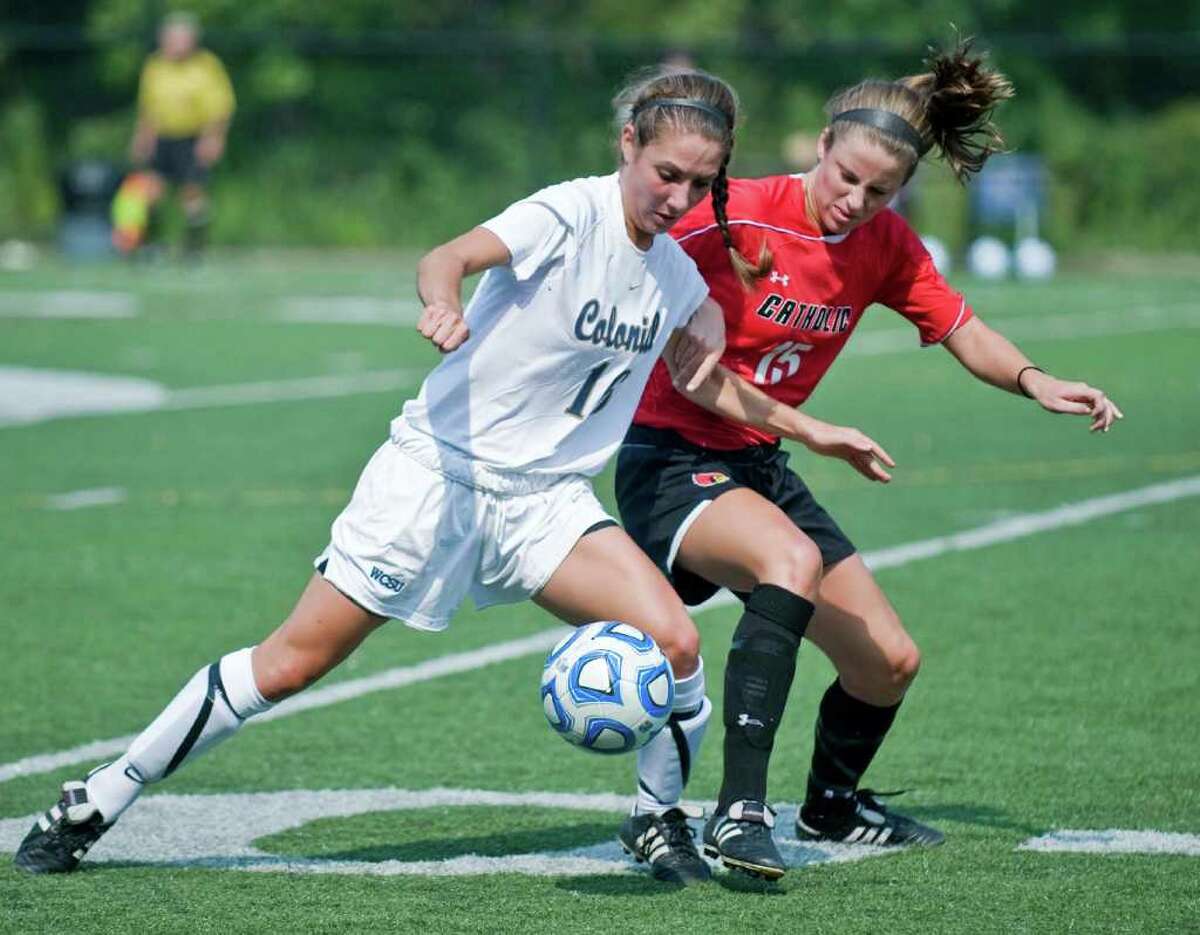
(664,841)
(59,839)
(741,839)
(862,818)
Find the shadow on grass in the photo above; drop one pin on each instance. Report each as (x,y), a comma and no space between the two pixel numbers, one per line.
(499,844)
(642,884)
(969,813)
(629,884)
(736,881)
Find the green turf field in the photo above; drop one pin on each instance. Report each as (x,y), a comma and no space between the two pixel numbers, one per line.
(1059,689)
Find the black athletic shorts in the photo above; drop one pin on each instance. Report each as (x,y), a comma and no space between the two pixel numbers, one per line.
(175,160)
(664,481)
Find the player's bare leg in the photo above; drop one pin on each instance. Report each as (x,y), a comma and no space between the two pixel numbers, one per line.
(744,542)
(856,626)
(607,577)
(196,217)
(322,629)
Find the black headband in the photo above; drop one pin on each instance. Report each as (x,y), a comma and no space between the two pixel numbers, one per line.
(888,122)
(681,102)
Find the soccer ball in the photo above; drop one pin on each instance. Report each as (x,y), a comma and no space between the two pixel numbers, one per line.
(607,687)
(989,258)
(1035,259)
(938,252)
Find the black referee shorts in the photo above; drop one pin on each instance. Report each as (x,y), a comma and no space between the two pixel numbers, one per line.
(664,481)
(175,160)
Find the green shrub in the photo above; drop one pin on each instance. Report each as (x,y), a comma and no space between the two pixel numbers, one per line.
(28,196)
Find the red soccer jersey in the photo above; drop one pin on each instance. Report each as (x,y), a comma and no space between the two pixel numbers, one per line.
(784,332)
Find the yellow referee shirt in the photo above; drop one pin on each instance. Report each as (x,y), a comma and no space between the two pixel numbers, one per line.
(180,98)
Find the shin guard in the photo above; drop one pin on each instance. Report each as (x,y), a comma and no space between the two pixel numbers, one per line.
(758,677)
(665,763)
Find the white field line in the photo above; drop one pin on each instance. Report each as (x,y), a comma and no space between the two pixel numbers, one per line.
(81,499)
(29,395)
(1064,327)
(349,310)
(153,397)
(372,310)
(315,698)
(36,396)
(368,310)
(1003,531)
(1016,527)
(1115,841)
(274,391)
(68,304)
(221,832)
(410,675)
(1026,524)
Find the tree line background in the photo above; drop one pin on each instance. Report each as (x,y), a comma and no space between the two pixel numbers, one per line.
(397,123)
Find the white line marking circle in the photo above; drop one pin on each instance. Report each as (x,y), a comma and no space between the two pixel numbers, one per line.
(1115,841)
(219,831)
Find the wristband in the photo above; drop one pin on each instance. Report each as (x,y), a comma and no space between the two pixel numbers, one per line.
(1021,373)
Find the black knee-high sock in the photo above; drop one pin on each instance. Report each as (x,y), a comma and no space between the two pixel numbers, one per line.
(154,224)
(196,232)
(758,675)
(848,735)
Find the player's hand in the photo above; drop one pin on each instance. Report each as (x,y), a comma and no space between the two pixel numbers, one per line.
(1056,395)
(141,147)
(850,445)
(698,347)
(443,324)
(209,148)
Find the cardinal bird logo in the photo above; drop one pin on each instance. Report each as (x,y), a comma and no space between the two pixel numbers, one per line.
(709,478)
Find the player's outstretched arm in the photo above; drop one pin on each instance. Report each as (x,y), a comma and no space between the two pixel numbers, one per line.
(733,397)
(992,358)
(141,146)
(439,283)
(210,146)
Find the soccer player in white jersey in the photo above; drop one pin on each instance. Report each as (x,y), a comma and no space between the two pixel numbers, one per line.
(482,487)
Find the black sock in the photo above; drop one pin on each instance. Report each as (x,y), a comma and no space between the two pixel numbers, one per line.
(848,735)
(758,675)
(196,233)
(154,224)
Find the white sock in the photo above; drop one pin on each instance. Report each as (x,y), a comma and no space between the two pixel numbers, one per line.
(112,788)
(664,763)
(211,706)
(689,691)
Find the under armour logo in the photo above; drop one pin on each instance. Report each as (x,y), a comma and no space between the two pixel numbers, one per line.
(745,720)
(781,278)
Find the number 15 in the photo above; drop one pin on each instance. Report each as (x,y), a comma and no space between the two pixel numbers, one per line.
(780,362)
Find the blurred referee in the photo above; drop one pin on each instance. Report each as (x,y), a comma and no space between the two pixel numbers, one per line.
(185,102)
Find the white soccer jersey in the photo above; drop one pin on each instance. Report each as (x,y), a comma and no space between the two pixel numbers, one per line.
(562,340)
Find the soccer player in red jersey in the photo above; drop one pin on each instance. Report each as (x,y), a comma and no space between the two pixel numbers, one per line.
(795,261)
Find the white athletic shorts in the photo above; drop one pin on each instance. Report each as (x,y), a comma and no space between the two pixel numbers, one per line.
(427,526)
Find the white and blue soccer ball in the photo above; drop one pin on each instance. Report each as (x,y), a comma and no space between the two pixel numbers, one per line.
(607,687)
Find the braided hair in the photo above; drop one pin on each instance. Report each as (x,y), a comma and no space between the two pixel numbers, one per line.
(747,272)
